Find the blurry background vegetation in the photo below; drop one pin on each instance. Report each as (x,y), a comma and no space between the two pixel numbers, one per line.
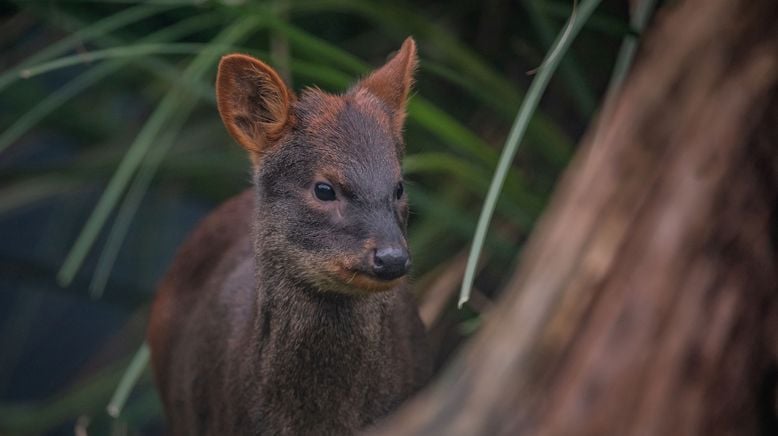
(111,149)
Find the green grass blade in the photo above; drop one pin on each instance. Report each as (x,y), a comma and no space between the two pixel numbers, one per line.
(51,103)
(130,206)
(159,67)
(164,69)
(279,41)
(129,379)
(450,215)
(31,191)
(115,188)
(97,73)
(516,134)
(601,22)
(144,409)
(638,20)
(522,209)
(130,51)
(581,92)
(317,48)
(450,131)
(502,107)
(140,147)
(86,34)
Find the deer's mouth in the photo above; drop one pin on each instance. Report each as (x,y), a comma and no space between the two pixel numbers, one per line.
(358,279)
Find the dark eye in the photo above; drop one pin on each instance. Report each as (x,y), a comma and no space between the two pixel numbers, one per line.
(324,192)
(399,191)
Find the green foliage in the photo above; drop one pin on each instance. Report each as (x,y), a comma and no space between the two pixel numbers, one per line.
(528,107)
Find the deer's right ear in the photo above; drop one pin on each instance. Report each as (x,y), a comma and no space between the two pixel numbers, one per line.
(253,101)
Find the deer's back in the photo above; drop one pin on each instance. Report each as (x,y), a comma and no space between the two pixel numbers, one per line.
(218,251)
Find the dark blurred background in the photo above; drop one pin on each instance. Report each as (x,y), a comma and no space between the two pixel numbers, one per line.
(111,150)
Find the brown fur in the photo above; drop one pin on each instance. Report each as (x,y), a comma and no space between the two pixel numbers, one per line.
(253,101)
(271,319)
(383,83)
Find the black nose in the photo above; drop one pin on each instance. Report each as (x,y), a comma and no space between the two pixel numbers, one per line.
(390,263)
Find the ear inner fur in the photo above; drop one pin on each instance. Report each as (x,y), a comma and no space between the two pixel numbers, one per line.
(254,103)
(392,82)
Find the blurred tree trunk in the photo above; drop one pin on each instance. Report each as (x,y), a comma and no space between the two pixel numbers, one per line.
(645,302)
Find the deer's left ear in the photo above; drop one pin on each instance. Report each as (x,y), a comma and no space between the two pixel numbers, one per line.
(392,82)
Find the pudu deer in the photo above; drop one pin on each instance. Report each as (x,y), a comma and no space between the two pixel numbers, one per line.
(287,309)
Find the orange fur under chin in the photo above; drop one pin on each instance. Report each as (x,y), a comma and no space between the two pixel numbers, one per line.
(360,281)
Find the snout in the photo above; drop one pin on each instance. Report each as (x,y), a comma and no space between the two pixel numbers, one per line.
(389,263)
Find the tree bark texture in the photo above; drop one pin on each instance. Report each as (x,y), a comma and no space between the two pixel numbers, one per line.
(645,301)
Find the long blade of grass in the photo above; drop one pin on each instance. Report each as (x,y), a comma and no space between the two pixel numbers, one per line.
(130,51)
(450,131)
(139,148)
(516,134)
(31,191)
(279,42)
(500,106)
(94,75)
(157,66)
(129,379)
(638,20)
(307,44)
(522,211)
(582,94)
(601,22)
(86,34)
(51,103)
(450,215)
(115,188)
(130,206)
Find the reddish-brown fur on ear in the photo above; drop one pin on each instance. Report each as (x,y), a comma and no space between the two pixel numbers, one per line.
(392,82)
(253,102)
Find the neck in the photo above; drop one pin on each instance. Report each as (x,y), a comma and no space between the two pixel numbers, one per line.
(294,312)
(322,350)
